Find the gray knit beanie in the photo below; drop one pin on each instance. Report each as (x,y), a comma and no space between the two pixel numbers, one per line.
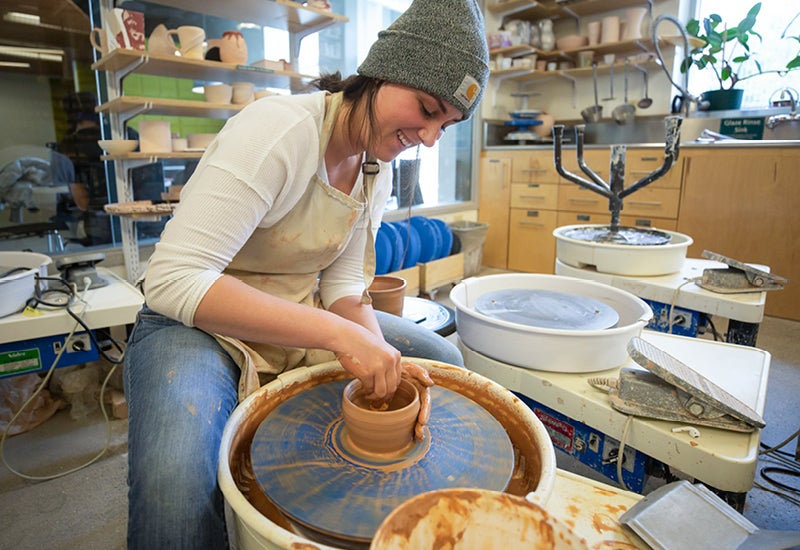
(437,46)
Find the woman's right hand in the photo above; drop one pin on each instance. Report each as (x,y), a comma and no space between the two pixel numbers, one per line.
(374,362)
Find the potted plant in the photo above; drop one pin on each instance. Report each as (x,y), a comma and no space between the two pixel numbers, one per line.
(725,49)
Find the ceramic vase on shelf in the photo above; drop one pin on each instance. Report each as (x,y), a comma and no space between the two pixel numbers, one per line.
(634,17)
(232,48)
(546,36)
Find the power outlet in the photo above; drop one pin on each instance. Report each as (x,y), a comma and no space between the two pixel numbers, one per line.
(77,343)
(611,452)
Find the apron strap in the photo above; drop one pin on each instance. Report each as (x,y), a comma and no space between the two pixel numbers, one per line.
(369,169)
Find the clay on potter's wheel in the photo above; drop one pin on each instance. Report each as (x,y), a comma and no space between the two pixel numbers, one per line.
(301,459)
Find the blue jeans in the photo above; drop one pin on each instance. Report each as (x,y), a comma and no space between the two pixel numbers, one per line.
(181,387)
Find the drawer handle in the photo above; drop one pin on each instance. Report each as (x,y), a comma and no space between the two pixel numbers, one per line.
(646,203)
(537,224)
(532,196)
(649,159)
(534,169)
(584,199)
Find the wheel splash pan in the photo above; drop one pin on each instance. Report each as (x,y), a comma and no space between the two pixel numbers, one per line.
(548,349)
(621,259)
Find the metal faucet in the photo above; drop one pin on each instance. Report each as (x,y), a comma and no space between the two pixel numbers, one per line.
(615,190)
(777,120)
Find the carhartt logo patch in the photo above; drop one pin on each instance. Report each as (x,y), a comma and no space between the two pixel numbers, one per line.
(468,91)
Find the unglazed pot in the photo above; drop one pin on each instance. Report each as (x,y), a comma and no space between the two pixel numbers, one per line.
(380,430)
(388,294)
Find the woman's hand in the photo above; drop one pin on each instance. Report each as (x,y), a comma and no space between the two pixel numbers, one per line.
(422,380)
(377,364)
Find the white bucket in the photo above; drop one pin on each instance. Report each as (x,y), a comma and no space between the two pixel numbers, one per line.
(250,528)
(18,287)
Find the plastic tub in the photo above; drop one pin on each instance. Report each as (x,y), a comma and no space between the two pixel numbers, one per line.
(548,349)
(17,287)
(472,236)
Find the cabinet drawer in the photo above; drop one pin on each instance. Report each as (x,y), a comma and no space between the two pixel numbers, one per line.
(648,202)
(649,223)
(531,245)
(641,162)
(534,167)
(582,218)
(577,199)
(596,159)
(534,195)
(653,201)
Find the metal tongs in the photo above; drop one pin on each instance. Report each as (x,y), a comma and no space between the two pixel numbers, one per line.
(671,390)
(737,277)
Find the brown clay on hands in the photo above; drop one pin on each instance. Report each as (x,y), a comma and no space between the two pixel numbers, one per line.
(422,380)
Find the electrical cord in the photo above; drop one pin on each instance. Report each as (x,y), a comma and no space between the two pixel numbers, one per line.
(675,298)
(38,300)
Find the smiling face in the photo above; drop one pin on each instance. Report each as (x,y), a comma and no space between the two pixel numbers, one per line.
(406,117)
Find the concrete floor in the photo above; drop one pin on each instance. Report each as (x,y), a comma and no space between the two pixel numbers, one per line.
(87,509)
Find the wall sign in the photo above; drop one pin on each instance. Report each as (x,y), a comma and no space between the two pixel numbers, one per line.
(742,128)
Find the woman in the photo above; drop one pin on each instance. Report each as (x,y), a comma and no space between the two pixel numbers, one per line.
(265,263)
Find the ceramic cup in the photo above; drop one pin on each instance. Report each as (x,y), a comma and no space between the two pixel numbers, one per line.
(160,42)
(218,93)
(387,430)
(190,40)
(634,18)
(585,58)
(127,27)
(593,32)
(180,144)
(609,29)
(99,40)
(155,136)
(242,92)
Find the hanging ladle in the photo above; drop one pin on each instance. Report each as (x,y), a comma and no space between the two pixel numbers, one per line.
(646,101)
(624,113)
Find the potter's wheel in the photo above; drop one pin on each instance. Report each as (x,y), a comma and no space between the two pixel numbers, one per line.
(301,459)
(547,309)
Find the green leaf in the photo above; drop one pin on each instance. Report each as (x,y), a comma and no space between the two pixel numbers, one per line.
(725,73)
(794,63)
(754,10)
(693,27)
(740,58)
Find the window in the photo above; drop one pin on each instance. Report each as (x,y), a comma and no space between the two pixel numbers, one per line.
(430,177)
(773,52)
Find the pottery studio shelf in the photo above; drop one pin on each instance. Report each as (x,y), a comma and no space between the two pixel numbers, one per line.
(532,9)
(142,62)
(294,17)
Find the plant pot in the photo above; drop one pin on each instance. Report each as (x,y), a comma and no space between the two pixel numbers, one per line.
(723,100)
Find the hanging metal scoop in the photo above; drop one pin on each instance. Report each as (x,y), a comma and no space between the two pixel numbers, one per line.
(672,390)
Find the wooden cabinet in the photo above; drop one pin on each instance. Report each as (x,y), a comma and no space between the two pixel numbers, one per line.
(523,199)
(494,193)
(743,203)
(298,19)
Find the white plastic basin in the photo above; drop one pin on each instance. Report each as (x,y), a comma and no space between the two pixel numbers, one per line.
(18,287)
(548,349)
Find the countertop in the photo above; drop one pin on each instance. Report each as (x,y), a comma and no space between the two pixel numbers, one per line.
(727,144)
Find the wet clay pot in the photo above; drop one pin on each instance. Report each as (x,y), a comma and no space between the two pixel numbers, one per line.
(384,430)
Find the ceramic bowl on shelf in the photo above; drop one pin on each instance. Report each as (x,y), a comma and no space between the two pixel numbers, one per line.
(199,141)
(118,146)
(571,42)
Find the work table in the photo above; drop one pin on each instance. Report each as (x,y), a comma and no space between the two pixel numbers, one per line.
(729,144)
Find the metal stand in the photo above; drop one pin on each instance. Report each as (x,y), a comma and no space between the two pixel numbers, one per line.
(615,189)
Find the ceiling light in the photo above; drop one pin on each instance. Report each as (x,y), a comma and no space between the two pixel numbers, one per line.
(23,18)
(15,64)
(42,54)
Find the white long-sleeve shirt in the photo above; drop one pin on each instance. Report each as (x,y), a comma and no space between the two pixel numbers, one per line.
(251,175)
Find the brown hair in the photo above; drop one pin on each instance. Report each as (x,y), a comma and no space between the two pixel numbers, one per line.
(359,91)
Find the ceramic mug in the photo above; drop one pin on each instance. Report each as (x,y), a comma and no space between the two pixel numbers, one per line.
(242,92)
(160,42)
(155,136)
(127,28)
(593,32)
(610,29)
(98,38)
(190,40)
